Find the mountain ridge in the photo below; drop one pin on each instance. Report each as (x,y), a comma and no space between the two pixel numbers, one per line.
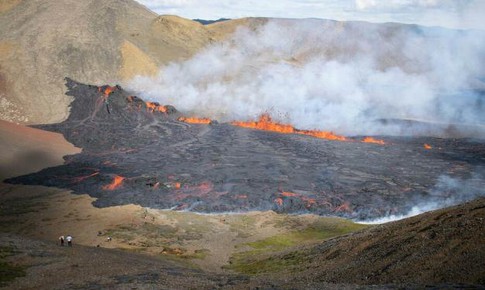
(41,42)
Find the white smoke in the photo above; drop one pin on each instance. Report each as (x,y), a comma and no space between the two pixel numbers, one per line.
(448,191)
(318,74)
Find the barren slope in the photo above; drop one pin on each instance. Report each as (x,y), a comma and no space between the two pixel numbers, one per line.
(41,42)
(444,247)
(26,150)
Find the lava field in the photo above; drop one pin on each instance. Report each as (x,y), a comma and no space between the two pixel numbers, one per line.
(137,152)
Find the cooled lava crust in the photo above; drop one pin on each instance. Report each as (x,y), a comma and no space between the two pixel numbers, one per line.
(136,153)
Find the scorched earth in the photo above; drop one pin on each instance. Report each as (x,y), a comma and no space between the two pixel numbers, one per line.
(137,152)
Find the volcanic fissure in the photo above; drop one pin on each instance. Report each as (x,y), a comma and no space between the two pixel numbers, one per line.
(138,152)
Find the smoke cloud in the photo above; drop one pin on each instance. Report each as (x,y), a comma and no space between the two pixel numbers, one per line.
(448,191)
(319,74)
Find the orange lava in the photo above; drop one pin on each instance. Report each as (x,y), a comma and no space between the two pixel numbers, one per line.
(279,201)
(266,123)
(117,181)
(194,120)
(108,90)
(322,135)
(82,178)
(427,147)
(155,107)
(288,194)
(372,140)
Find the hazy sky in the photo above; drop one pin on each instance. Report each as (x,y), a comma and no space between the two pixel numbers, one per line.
(446,13)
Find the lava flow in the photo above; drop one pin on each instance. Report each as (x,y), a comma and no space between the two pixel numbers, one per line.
(107,90)
(224,168)
(265,123)
(156,107)
(117,182)
(374,141)
(82,178)
(194,120)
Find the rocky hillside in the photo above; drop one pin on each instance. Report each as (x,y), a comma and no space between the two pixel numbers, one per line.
(43,41)
(444,247)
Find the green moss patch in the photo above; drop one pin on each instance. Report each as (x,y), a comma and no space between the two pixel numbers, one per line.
(9,271)
(280,251)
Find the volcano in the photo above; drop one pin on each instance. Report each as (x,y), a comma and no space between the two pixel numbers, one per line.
(138,152)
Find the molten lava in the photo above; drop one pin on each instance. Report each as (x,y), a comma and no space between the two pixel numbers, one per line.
(117,182)
(289,194)
(266,123)
(108,90)
(372,140)
(279,201)
(193,120)
(156,107)
(427,147)
(82,178)
(177,185)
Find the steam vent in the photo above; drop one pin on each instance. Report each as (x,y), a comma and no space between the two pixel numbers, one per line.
(152,155)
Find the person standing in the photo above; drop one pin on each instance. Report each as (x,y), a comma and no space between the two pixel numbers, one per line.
(61,240)
(69,240)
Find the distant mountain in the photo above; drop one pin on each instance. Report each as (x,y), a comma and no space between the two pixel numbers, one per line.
(207,22)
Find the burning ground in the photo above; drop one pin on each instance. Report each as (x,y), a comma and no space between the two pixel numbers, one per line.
(137,152)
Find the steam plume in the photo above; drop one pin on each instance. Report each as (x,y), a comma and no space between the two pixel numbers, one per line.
(448,191)
(319,74)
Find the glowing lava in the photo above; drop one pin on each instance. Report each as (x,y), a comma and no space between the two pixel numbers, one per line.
(266,123)
(372,140)
(82,178)
(279,201)
(193,120)
(289,194)
(108,90)
(427,147)
(117,182)
(156,107)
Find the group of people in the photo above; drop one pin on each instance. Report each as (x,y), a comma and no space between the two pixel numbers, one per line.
(68,239)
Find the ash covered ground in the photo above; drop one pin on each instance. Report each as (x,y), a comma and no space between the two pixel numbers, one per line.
(136,152)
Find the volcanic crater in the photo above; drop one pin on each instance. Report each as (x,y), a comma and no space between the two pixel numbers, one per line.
(138,152)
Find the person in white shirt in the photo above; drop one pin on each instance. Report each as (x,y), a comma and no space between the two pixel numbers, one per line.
(69,240)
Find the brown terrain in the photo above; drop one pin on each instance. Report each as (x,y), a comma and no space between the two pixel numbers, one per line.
(42,41)
(98,42)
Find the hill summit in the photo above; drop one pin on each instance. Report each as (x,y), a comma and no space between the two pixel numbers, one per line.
(42,42)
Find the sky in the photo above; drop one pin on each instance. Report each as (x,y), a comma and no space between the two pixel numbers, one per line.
(463,14)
